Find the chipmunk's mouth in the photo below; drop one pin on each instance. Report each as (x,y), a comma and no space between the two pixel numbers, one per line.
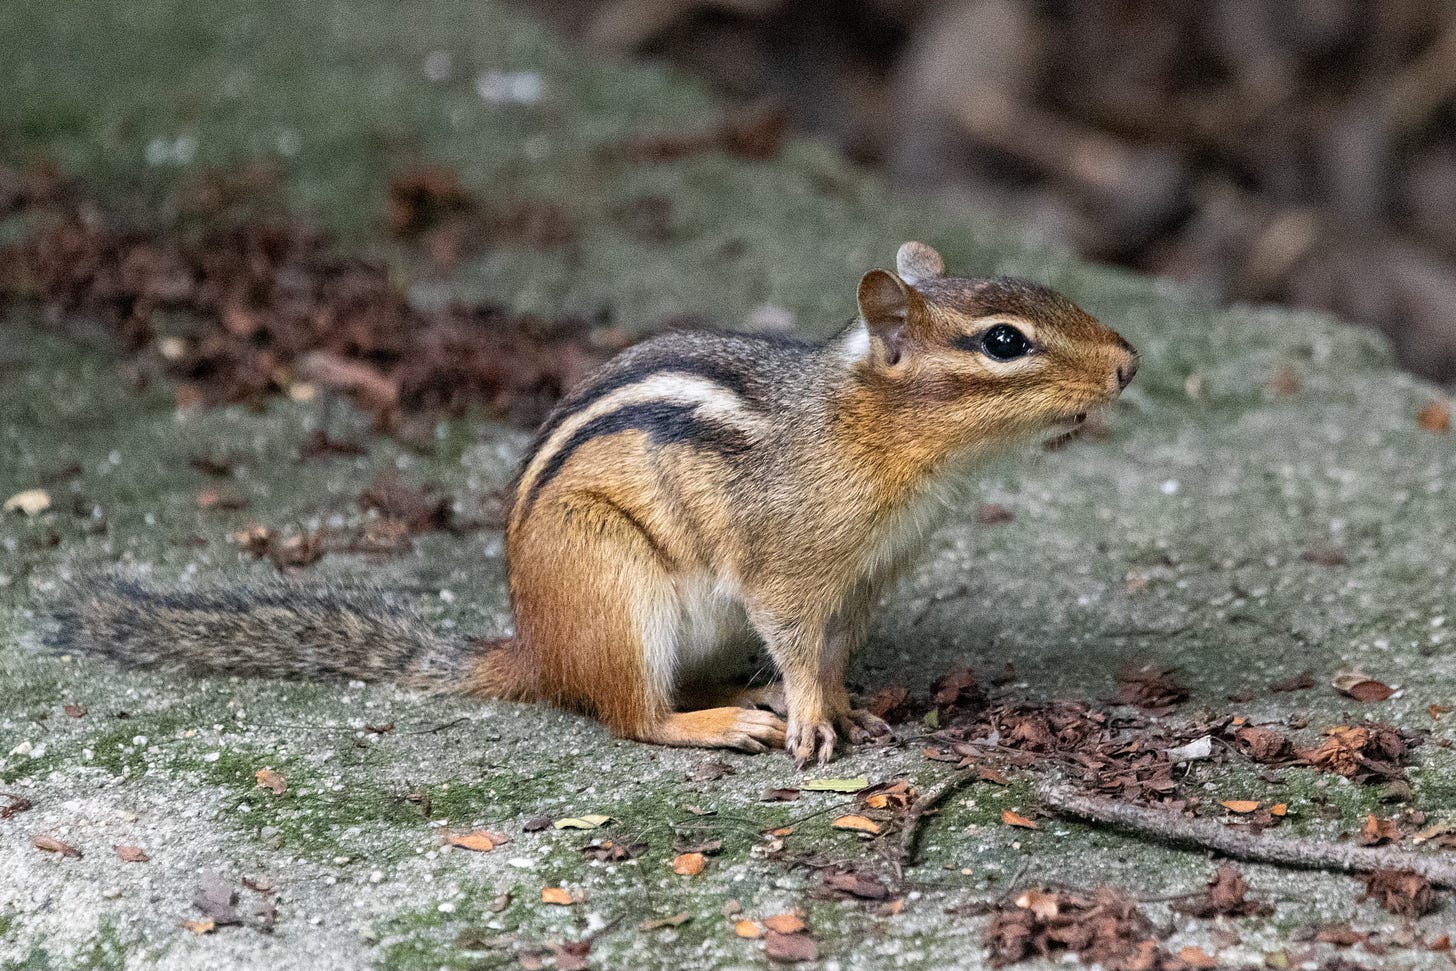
(1064,430)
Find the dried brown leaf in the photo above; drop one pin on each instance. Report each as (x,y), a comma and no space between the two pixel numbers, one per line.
(1150,687)
(857,823)
(791,923)
(1302,681)
(789,948)
(1401,892)
(52,845)
(272,781)
(1355,685)
(1377,831)
(689,864)
(1227,896)
(1010,818)
(1435,416)
(852,883)
(477,840)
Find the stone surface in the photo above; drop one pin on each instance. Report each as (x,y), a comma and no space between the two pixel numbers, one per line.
(1182,538)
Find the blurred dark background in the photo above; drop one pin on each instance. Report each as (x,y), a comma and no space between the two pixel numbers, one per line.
(1296,151)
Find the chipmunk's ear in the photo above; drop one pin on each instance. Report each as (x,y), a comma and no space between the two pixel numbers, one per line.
(886,305)
(917,261)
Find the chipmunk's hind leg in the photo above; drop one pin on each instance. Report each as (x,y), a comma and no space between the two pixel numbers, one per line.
(597,614)
(747,729)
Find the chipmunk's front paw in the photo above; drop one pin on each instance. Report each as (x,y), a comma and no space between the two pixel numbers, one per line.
(810,740)
(860,726)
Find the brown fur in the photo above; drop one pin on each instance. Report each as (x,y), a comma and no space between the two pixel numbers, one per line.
(705,492)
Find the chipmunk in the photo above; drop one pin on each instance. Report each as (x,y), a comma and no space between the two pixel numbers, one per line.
(699,495)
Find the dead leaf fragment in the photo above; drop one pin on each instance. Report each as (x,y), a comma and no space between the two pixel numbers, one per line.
(477,840)
(779,795)
(836,785)
(859,824)
(1010,818)
(14,806)
(852,883)
(199,927)
(1340,935)
(1044,905)
(581,822)
(259,885)
(1377,831)
(1150,687)
(1401,892)
(993,513)
(1364,753)
(557,896)
(1263,745)
(1435,416)
(1197,958)
(1227,896)
(272,781)
(1299,682)
(657,923)
(890,703)
(689,864)
(789,948)
(1354,684)
(1106,928)
(131,854)
(610,851)
(52,845)
(785,923)
(1240,805)
(1285,382)
(1199,748)
(747,929)
(74,711)
(31,502)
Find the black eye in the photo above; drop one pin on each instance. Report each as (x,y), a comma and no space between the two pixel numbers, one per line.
(1004,342)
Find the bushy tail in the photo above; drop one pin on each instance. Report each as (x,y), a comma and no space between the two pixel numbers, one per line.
(269,629)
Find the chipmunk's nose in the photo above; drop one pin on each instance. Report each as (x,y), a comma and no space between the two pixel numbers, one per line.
(1126,370)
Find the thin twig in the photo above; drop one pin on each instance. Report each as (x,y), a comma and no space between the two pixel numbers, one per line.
(904,855)
(1300,852)
(438,728)
(1015,880)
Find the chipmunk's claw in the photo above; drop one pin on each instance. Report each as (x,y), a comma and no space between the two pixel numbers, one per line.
(860,726)
(807,741)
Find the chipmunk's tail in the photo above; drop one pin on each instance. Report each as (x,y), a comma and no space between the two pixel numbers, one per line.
(275,629)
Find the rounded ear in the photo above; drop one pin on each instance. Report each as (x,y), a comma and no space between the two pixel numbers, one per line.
(917,261)
(884,305)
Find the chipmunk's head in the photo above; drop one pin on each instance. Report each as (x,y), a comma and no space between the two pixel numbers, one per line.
(985,361)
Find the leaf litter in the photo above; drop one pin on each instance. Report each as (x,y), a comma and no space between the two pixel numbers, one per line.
(238,310)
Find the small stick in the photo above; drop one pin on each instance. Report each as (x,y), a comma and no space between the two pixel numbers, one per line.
(1300,852)
(904,855)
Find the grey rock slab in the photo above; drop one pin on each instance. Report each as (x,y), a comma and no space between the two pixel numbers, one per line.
(1183,538)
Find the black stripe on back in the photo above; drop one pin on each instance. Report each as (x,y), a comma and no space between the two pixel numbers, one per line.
(665,423)
(715,371)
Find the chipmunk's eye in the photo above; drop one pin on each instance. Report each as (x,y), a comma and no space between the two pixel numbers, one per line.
(1004,342)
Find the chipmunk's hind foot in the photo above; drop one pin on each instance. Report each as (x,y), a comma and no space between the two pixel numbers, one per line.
(770,696)
(745,729)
